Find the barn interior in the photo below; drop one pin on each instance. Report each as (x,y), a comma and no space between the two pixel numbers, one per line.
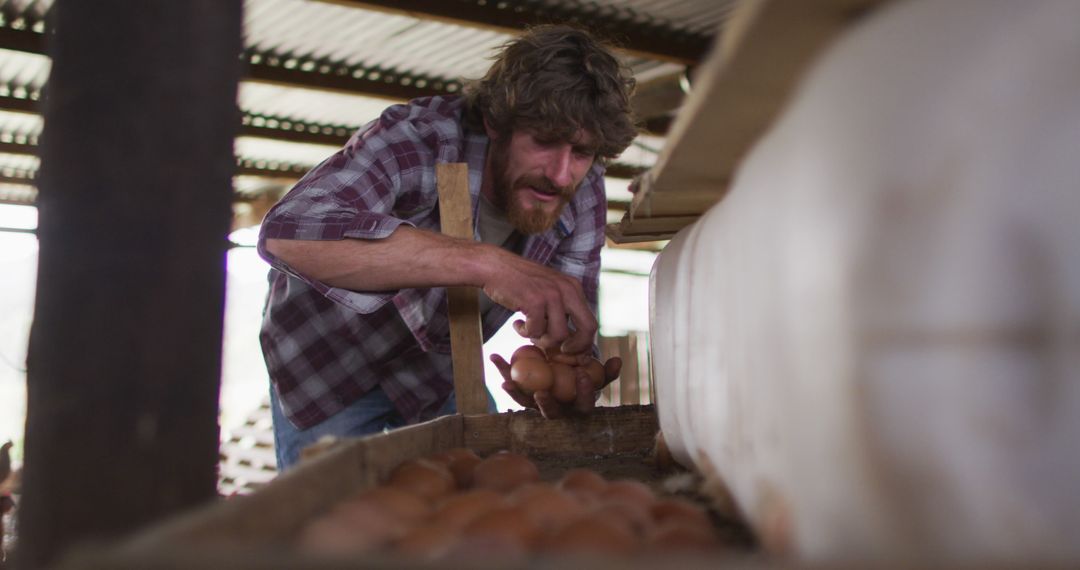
(831,352)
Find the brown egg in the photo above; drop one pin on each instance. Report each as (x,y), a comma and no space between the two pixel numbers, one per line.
(632,515)
(326,536)
(388,502)
(675,509)
(583,483)
(428,541)
(630,491)
(461,463)
(504,525)
(531,375)
(462,469)
(593,534)
(548,506)
(527,351)
(423,477)
(680,536)
(526,491)
(460,509)
(450,455)
(555,354)
(595,370)
(505,472)
(338,534)
(564,387)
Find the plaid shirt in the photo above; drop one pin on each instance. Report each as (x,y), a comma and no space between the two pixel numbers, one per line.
(325,347)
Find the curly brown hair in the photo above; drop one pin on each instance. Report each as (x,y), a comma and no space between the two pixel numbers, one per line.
(555,80)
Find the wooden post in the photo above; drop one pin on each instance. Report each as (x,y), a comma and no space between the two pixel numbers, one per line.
(134,208)
(466,335)
(629,377)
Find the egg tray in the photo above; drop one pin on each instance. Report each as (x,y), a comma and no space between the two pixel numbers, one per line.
(256,530)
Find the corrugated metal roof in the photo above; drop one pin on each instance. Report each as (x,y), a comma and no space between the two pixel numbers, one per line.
(309,104)
(20,123)
(364,37)
(23,69)
(300,32)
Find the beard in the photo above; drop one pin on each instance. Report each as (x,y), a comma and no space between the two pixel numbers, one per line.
(528,218)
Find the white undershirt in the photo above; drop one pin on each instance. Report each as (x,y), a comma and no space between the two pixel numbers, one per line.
(496,229)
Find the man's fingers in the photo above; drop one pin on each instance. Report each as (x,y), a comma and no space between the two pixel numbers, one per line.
(536,323)
(549,407)
(612,368)
(557,326)
(585,326)
(502,365)
(518,396)
(519,327)
(585,400)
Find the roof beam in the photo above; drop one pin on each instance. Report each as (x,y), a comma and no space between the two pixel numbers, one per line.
(305,72)
(621,25)
(258,126)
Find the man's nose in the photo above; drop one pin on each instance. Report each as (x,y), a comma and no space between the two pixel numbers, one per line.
(558,170)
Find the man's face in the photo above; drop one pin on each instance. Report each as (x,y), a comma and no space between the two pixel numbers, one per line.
(534,178)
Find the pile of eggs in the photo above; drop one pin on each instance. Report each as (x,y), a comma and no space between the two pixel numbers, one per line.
(533,370)
(456,505)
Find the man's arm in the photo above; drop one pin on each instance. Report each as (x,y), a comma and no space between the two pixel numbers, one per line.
(412,257)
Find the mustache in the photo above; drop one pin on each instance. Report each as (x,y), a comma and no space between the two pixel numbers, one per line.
(543,184)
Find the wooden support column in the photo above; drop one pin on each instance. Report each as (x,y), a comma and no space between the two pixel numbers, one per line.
(466,334)
(125,348)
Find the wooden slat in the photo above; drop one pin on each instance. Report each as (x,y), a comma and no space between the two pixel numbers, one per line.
(737,93)
(629,379)
(278,510)
(609,347)
(466,335)
(605,431)
(630,230)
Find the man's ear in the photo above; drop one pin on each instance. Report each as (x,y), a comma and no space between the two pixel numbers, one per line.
(491,133)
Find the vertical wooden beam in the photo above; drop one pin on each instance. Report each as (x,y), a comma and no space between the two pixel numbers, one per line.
(466,335)
(609,347)
(125,348)
(629,377)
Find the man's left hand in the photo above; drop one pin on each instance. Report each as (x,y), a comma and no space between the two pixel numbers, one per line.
(549,407)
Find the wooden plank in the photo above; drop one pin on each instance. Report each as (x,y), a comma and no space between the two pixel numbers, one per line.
(466,335)
(609,347)
(606,431)
(125,349)
(647,229)
(737,93)
(255,531)
(629,379)
(271,516)
(277,511)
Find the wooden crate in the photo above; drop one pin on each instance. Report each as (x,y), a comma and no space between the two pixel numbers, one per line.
(255,531)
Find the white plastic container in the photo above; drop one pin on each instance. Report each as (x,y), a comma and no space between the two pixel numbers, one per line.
(874,339)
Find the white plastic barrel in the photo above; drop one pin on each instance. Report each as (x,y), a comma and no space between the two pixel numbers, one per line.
(874,339)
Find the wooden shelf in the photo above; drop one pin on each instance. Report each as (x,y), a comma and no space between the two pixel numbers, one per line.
(738,92)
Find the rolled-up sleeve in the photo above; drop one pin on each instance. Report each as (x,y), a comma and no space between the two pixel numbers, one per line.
(352,194)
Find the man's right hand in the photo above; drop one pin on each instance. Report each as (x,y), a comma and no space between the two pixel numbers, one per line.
(556,311)
(554,304)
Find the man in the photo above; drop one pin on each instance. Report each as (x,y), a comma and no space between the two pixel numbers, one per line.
(355,332)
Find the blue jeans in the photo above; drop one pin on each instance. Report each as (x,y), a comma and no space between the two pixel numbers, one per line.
(373,413)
